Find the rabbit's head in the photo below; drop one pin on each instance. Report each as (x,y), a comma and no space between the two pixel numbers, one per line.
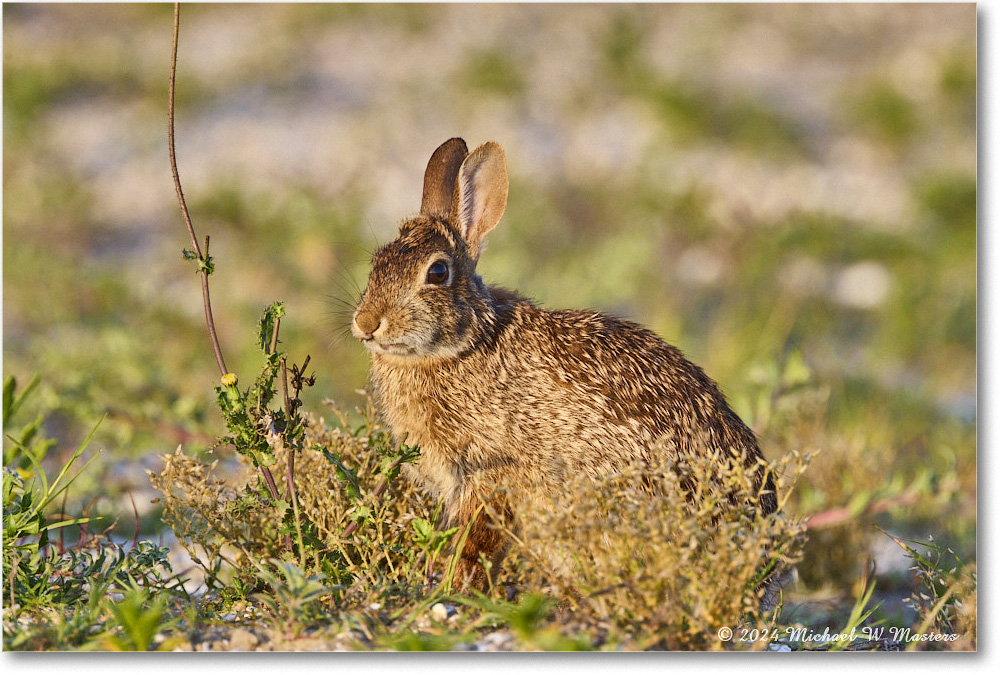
(424,298)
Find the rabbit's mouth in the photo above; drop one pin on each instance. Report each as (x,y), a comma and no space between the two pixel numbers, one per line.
(394,348)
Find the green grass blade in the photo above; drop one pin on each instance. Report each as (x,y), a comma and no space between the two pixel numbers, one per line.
(12,402)
(76,456)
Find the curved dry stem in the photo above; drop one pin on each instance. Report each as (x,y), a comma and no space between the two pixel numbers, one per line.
(202,257)
(206,299)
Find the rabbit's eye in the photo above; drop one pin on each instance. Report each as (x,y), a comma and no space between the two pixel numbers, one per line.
(438,273)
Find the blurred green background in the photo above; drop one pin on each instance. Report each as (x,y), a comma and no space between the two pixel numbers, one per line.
(787,193)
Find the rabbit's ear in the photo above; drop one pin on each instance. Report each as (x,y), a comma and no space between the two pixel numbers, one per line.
(439,178)
(480,195)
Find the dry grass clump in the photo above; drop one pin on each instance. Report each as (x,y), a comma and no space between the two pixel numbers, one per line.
(962,612)
(946,602)
(233,530)
(637,556)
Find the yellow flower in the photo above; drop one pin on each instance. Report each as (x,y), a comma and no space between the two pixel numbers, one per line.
(229,379)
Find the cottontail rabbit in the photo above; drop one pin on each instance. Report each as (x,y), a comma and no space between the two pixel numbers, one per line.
(493,388)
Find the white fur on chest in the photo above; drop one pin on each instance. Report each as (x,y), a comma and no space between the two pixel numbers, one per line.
(420,410)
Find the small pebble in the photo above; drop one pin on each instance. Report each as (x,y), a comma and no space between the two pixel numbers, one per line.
(242,640)
(439,612)
(494,641)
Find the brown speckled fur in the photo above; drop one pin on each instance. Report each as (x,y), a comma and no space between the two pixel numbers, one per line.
(492,387)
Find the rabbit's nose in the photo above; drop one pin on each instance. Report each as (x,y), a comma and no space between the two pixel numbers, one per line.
(367,323)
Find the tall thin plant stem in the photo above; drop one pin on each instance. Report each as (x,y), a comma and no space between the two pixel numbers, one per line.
(203,268)
(204,271)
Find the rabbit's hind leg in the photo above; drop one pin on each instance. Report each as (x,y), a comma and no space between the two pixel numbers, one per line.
(488,522)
